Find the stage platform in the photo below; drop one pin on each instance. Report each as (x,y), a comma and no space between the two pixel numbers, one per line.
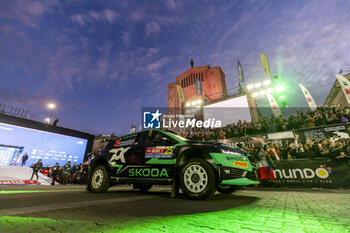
(18,175)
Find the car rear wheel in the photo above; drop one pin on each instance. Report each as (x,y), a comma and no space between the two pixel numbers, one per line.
(226,189)
(99,180)
(197,179)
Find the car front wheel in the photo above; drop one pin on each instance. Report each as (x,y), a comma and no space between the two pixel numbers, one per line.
(99,180)
(197,179)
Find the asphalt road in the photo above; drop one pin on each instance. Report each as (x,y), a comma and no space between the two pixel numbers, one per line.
(121,209)
(119,203)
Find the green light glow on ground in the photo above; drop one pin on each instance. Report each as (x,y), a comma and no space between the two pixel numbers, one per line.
(34,191)
(251,218)
(21,191)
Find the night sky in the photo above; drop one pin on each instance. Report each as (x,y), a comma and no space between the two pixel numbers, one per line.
(102,61)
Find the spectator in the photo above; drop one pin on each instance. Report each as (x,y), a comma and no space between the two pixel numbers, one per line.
(37,167)
(24,159)
(72,173)
(54,173)
(309,153)
(264,170)
(66,173)
(310,121)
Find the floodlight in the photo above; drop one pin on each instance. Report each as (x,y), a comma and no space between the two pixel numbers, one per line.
(279,88)
(188,104)
(199,101)
(193,103)
(262,92)
(257,85)
(51,105)
(255,94)
(267,82)
(250,86)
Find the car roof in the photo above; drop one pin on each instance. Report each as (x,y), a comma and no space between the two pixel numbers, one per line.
(163,131)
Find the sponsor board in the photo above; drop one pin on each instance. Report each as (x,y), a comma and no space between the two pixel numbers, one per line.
(19,182)
(313,173)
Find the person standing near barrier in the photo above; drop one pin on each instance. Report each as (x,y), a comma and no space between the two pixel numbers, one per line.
(24,159)
(66,173)
(54,173)
(85,172)
(37,168)
(265,166)
(72,173)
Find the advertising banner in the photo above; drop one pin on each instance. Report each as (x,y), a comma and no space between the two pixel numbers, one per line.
(310,101)
(274,106)
(313,173)
(180,92)
(198,87)
(345,86)
(265,64)
(319,133)
(240,72)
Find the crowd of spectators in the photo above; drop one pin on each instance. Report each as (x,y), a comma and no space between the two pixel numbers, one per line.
(332,148)
(68,173)
(322,116)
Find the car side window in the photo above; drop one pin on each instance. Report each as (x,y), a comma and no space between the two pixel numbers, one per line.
(159,139)
(141,138)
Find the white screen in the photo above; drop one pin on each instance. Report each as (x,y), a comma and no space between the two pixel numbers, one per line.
(229,111)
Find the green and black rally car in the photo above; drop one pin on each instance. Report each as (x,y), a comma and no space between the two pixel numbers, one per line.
(159,157)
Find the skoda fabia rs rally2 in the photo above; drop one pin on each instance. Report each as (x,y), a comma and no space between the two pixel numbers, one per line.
(156,157)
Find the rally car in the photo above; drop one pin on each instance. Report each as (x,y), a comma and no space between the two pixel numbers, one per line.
(159,157)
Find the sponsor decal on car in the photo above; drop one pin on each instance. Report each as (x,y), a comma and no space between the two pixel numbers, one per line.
(237,158)
(159,152)
(148,172)
(118,155)
(241,164)
(125,141)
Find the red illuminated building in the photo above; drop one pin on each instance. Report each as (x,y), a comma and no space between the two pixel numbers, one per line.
(213,86)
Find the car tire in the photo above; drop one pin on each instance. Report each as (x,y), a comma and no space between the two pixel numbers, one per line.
(197,179)
(99,180)
(226,189)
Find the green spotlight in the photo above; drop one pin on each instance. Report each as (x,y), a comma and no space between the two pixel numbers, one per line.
(279,88)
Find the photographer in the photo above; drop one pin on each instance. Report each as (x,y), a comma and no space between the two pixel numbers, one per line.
(37,168)
(54,173)
(66,173)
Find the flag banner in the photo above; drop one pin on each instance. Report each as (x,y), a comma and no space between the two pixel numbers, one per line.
(310,101)
(265,64)
(180,92)
(198,87)
(274,106)
(240,72)
(344,83)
